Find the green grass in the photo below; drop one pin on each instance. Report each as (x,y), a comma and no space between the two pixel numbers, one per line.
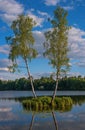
(44,103)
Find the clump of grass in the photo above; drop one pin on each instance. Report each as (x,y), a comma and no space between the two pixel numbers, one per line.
(44,103)
(63,103)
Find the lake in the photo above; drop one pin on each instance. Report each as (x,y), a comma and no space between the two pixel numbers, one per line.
(14,117)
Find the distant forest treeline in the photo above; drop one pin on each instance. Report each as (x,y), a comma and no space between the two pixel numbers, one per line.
(44,83)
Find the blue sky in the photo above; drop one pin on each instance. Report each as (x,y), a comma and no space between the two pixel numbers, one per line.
(40,11)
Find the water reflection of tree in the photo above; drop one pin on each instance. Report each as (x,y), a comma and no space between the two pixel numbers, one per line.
(54,120)
(78,100)
(31,124)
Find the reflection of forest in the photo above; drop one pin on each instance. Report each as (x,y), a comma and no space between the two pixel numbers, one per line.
(54,120)
(76,99)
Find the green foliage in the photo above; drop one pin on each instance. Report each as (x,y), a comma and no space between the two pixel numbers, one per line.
(64,103)
(70,83)
(56,45)
(44,103)
(21,43)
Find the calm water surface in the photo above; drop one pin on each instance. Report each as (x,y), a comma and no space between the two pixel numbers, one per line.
(14,117)
(15,94)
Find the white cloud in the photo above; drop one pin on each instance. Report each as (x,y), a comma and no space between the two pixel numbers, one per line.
(4,63)
(10,9)
(1,78)
(51,2)
(77,46)
(39,20)
(69,74)
(76,43)
(11,76)
(38,16)
(4,49)
(39,40)
(43,13)
(4,69)
(81,63)
(8,17)
(44,74)
(68,7)
(4,109)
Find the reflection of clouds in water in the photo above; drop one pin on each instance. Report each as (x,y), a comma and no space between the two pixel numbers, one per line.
(14,127)
(68,116)
(8,109)
(7,116)
(81,115)
(6,103)
(72,117)
(5,109)
(13,117)
(48,125)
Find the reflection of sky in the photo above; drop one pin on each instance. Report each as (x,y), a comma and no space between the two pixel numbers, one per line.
(75,114)
(14,118)
(8,108)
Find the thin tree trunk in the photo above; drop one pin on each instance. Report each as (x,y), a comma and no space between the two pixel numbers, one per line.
(54,94)
(31,124)
(55,121)
(31,81)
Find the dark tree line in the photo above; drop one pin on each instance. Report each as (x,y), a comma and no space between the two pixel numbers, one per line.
(44,83)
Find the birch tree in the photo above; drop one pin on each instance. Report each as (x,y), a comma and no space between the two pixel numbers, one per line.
(56,44)
(21,44)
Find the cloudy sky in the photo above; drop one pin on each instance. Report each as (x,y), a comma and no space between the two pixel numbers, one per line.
(40,11)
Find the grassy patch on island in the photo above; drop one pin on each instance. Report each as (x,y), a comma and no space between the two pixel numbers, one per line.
(44,103)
